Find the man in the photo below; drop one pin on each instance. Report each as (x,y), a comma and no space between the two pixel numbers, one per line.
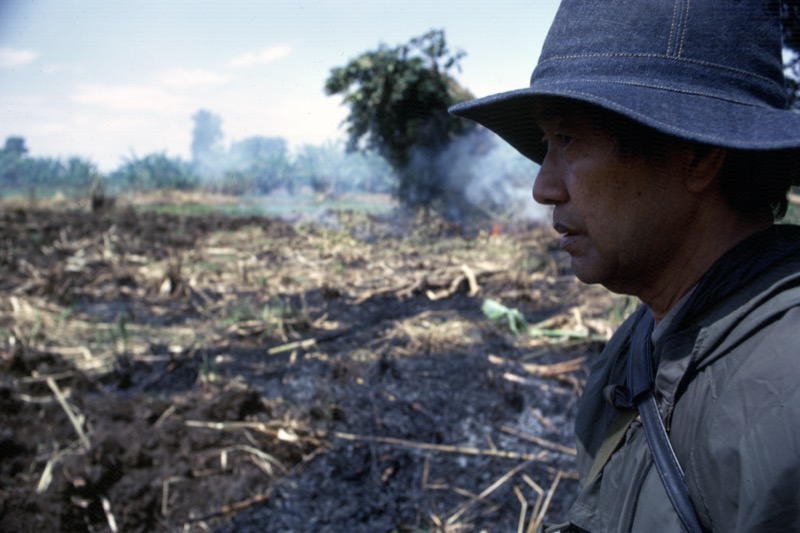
(667,152)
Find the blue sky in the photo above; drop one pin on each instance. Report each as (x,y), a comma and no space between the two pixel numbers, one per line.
(108,79)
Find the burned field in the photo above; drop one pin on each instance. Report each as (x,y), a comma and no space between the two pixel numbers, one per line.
(178,373)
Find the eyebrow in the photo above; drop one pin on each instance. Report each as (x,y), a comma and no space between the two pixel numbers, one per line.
(557,121)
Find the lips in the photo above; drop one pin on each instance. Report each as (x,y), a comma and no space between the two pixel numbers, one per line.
(569,235)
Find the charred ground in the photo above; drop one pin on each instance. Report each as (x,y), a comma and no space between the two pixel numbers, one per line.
(176,373)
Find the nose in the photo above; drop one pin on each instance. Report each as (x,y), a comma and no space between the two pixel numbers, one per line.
(548,187)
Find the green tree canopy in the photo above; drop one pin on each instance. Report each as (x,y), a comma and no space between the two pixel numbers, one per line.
(153,171)
(260,163)
(19,171)
(398,99)
(15,146)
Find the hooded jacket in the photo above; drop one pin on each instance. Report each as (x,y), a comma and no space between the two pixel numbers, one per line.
(728,389)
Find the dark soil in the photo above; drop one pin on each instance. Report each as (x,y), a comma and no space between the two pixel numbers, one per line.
(392,412)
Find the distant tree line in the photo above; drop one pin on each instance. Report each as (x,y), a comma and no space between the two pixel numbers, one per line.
(257,165)
(21,174)
(263,164)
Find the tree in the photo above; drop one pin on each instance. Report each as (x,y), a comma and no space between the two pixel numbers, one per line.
(328,170)
(11,158)
(398,99)
(18,170)
(261,161)
(154,171)
(15,146)
(79,172)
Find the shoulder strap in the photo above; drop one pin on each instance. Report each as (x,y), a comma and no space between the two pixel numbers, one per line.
(616,432)
(669,469)
(641,384)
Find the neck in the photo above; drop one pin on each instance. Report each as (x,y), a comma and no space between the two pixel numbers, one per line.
(704,245)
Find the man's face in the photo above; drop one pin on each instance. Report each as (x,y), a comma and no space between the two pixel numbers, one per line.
(621,218)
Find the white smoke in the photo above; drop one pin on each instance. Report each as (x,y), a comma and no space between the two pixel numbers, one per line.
(493,175)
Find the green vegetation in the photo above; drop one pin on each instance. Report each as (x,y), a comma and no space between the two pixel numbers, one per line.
(275,205)
(497,312)
(398,99)
(792,215)
(154,171)
(28,176)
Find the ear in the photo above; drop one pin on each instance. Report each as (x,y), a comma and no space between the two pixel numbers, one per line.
(705,167)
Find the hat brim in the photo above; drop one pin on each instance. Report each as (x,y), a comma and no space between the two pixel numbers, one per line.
(684,115)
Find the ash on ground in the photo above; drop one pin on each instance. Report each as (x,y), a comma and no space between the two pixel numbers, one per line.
(166,373)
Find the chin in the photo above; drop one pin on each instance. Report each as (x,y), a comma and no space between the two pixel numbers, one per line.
(583,271)
(589,273)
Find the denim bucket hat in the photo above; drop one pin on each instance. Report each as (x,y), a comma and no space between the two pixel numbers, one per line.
(701,70)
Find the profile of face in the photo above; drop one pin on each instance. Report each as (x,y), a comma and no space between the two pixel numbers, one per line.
(621,217)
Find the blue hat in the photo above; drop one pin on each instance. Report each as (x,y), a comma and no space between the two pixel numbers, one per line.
(701,70)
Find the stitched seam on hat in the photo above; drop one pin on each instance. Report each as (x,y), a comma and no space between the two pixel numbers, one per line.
(662,87)
(633,113)
(659,56)
(672,27)
(685,24)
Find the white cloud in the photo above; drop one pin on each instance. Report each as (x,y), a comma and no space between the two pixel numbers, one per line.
(183,77)
(13,57)
(127,97)
(267,55)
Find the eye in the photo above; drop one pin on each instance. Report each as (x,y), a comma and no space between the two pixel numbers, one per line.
(557,140)
(563,140)
(560,138)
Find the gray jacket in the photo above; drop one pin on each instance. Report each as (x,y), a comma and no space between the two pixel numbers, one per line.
(728,388)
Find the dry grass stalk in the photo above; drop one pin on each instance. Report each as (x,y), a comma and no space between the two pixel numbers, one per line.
(555,369)
(538,517)
(77,424)
(72,350)
(261,459)
(296,345)
(47,474)
(168,412)
(426,470)
(487,491)
(112,522)
(276,430)
(576,384)
(166,483)
(467,275)
(234,507)
(444,448)
(544,443)
(523,511)
(35,378)
(532,484)
(559,371)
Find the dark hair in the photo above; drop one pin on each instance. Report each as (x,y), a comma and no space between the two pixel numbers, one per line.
(755,183)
